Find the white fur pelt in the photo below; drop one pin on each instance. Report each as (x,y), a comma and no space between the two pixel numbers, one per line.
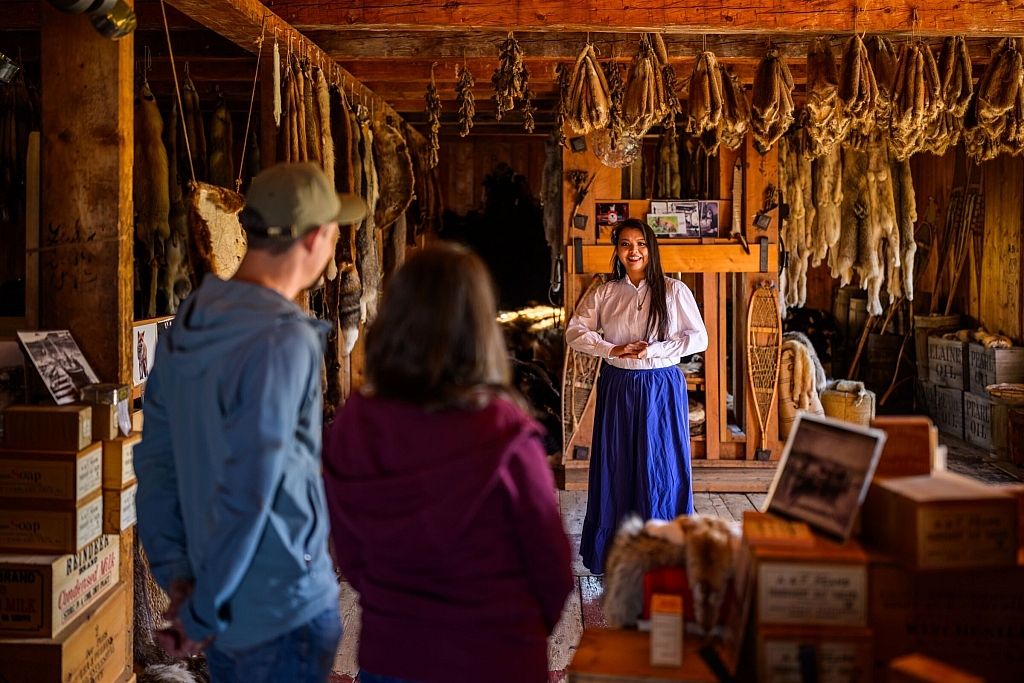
(808,378)
(881,226)
(705,546)
(828,196)
(166,673)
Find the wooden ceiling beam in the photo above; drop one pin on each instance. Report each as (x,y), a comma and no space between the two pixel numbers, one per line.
(24,14)
(927,17)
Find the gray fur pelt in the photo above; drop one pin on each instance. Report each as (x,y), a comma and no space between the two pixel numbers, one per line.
(854,213)
(880,226)
(368,260)
(705,546)
(551,193)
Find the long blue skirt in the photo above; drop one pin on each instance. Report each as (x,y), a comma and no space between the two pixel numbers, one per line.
(640,456)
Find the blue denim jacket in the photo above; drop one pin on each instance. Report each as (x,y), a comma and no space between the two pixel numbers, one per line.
(230,493)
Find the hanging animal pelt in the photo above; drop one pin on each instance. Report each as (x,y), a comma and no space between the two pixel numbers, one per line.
(394,247)
(222,163)
(828,200)
(644,102)
(150,190)
(901,279)
(464,100)
(562,105)
(510,78)
(301,112)
(366,235)
(416,215)
(433,119)
(808,373)
(667,180)
(771,113)
(358,183)
(314,152)
(858,89)
(253,155)
(528,109)
(195,133)
(673,106)
(589,102)
(394,174)
(879,226)
(323,117)
(341,137)
(217,242)
(706,546)
(277,84)
(916,99)
(285,132)
(735,111)
(957,91)
(854,212)
(616,91)
(993,107)
(794,178)
(175,277)
(551,194)
(706,99)
(826,121)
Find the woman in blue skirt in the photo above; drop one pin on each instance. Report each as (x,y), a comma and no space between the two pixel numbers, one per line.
(641,323)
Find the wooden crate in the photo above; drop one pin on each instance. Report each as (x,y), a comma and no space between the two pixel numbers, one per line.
(51,527)
(941,521)
(118,461)
(838,654)
(978,419)
(917,668)
(993,366)
(910,445)
(1015,438)
(93,649)
(104,421)
(947,362)
(41,594)
(607,655)
(949,411)
(119,509)
(48,428)
(68,477)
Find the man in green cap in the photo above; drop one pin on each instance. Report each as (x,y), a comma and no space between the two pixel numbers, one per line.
(231,507)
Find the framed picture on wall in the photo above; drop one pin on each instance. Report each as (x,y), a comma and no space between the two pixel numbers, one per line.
(59,362)
(608,215)
(709,213)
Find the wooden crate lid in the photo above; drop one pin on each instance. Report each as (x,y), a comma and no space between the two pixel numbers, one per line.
(621,656)
(49,456)
(821,549)
(941,487)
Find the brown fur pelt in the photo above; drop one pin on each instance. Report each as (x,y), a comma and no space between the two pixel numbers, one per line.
(916,99)
(218,242)
(367,259)
(957,90)
(150,190)
(826,120)
(551,194)
(735,111)
(394,173)
(341,137)
(808,372)
(421,216)
(195,133)
(589,101)
(828,199)
(858,89)
(322,103)
(222,162)
(314,152)
(854,214)
(998,104)
(901,281)
(706,96)
(880,226)
(643,101)
(794,178)
(666,181)
(175,278)
(771,112)
(394,247)
(705,546)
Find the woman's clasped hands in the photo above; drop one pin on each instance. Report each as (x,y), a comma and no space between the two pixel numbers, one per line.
(636,350)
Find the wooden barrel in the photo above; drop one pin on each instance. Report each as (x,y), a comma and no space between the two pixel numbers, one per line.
(1004,397)
(879,362)
(841,308)
(858,316)
(925,325)
(852,407)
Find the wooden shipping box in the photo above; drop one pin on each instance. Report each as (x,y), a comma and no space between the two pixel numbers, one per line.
(822,584)
(941,521)
(978,418)
(1017,491)
(621,656)
(104,421)
(41,594)
(93,649)
(119,509)
(1015,436)
(841,655)
(947,363)
(948,411)
(48,428)
(910,445)
(970,619)
(118,461)
(44,526)
(993,366)
(917,668)
(69,477)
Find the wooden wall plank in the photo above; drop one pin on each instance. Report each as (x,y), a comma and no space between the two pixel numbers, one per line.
(1001,305)
(693,258)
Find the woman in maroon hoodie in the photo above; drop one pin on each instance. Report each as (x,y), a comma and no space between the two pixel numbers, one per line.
(443,508)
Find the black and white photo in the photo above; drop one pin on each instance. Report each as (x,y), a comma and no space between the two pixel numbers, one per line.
(60,363)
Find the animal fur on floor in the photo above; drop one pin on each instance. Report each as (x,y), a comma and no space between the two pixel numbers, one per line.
(705,546)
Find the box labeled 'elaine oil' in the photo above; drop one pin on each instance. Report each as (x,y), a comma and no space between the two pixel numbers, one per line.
(41,594)
(51,527)
(69,477)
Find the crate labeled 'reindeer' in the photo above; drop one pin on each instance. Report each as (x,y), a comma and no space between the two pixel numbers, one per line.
(41,594)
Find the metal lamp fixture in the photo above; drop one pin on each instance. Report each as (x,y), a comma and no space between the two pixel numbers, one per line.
(114,19)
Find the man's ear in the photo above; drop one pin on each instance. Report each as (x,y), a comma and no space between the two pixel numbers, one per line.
(309,239)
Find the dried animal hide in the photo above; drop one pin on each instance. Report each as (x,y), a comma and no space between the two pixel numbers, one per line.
(394,173)
(902,283)
(222,163)
(916,100)
(993,108)
(562,106)
(828,199)
(854,213)
(341,137)
(707,98)
(772,108)
(217,242)
(323,117)
(358,181)
(813,379)
(424,214)
(367,258)
(880,226)
(858,89)
(706,546)
(253,156)
(826,123)
(551,194)
(589,103)
(394,247)
(314,152)
(284,131)
(667,181)
(735,111)
(794,177)
(175,277)
(957,91)
(195,134)
(150,189)
(616,91)
(301,134)
(644,102)
(277,84)
(510,79)
(464,100)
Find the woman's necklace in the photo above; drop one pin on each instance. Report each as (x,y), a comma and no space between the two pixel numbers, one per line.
(640,302)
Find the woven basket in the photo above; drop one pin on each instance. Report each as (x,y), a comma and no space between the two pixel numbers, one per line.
(855,407)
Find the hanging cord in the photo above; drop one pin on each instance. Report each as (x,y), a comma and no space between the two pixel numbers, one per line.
(177,91)
(252,100)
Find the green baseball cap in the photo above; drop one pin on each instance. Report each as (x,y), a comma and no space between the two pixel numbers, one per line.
(291,199)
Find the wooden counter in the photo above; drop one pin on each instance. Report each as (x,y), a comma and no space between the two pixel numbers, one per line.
(619,656)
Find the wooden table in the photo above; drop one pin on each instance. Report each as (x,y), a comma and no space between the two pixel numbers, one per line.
(619,656)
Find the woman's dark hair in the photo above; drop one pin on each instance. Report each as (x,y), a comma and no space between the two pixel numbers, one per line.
(436,341)
(657,312)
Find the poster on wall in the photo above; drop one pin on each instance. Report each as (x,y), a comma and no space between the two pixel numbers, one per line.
(709,213)
(143,352)
(59,362)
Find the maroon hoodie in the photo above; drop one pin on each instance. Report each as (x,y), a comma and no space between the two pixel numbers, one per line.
(447,524)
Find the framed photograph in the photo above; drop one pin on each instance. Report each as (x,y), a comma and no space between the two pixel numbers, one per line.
(664,225)
(824,473)
(59,362)
(689,217)
(143,352)
(709,218)
(578,144)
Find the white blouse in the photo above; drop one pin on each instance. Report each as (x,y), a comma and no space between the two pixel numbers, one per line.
(619,310)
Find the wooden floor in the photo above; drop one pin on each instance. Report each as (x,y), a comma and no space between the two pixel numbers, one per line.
(583,607)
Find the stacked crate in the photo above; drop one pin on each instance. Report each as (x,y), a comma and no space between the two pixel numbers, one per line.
(947,372)
(63,611)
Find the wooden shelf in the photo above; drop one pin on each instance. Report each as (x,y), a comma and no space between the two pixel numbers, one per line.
(728,257)
(702,437)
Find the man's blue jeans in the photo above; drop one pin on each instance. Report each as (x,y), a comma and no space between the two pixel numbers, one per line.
(304,655)
(367,677)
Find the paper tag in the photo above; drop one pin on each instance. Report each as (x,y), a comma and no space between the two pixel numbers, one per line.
(666,630)
(90,522)
(90,473)
(128,514)
(124,417)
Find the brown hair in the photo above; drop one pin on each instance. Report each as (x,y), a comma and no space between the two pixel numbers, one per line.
(436,341)
(657,313)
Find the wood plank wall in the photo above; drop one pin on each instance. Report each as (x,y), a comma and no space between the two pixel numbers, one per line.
(465,161)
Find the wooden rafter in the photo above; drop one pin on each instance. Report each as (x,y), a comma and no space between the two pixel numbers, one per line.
(977,17)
